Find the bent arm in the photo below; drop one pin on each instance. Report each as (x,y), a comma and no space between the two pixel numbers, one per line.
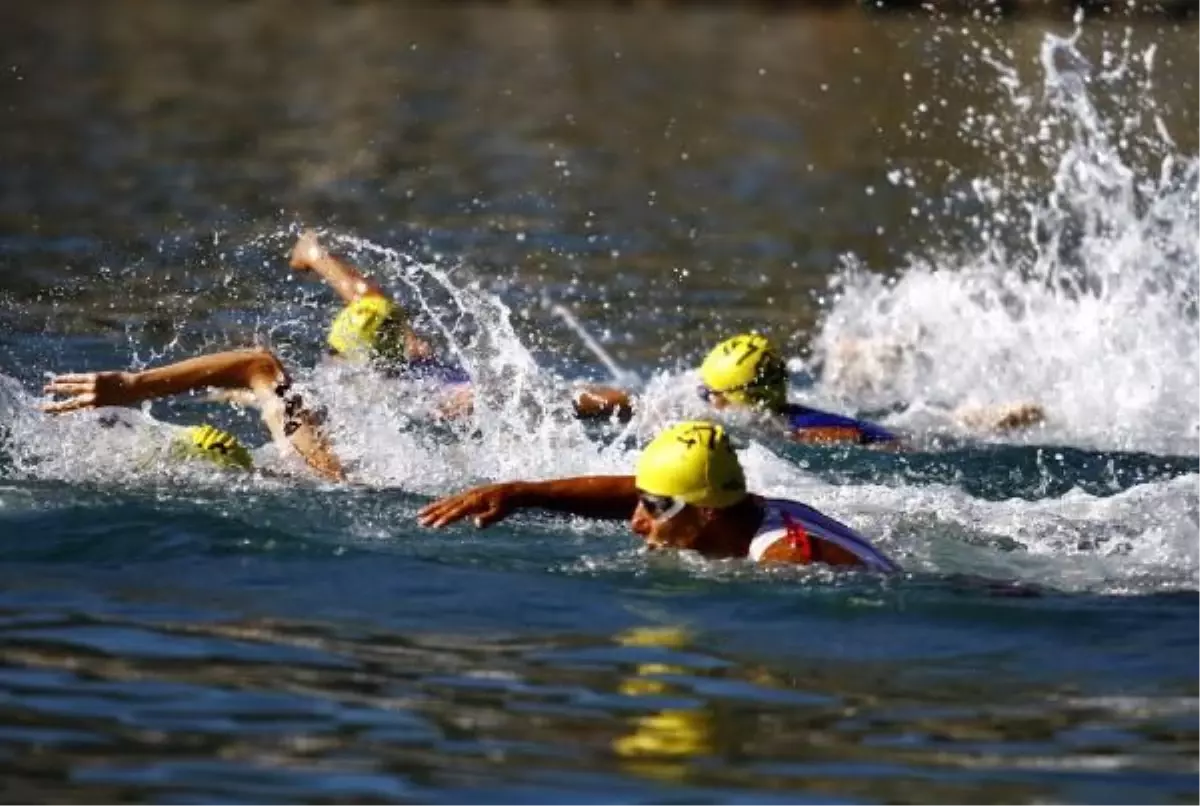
(258,372)
(346,280)
(350,284)
(602,402)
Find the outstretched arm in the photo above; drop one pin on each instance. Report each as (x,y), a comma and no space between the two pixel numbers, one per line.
(350,284)
(600,497)
(602,402)
(258,372)
(254,370)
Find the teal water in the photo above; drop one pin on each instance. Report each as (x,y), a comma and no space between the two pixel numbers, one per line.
(987,214)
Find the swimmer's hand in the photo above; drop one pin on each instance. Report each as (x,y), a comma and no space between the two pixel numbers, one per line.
(486,505)
(457,404)
(307,252)
(1001,418)
(89,390)
(595,402)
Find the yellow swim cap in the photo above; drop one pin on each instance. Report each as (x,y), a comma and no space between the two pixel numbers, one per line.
(213,444)
(695,463)
(747,370)
(369,327)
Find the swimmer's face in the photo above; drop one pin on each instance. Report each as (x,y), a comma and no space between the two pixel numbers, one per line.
(681,530)
(713,398)
(746,397)
(718,401)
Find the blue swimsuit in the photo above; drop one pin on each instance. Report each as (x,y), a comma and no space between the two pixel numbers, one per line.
(802,418)
(430,369)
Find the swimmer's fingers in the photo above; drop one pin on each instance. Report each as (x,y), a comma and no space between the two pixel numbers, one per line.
(75,377)
(89,390)
(71,384)
(493,514)
(485,505)
(428,514)
(86,400)
(79,389)
(445,511)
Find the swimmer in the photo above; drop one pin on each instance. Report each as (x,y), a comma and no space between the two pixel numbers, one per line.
(373,329)
(370,329)
(746,372)
(250,376)
(688,492)
(371,326)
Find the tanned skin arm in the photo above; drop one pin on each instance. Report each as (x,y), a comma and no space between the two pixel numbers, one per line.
(600,497)
(256,371)
(350,284)
(602,402)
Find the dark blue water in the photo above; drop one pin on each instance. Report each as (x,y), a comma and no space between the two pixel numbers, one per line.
(167,644)
(174,633)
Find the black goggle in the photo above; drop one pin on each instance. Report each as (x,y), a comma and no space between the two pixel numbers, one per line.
(660,507)
(707,394)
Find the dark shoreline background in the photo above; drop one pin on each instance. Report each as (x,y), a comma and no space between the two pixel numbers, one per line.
(664,149)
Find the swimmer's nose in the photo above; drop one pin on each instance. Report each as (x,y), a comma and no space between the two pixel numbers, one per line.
(641,523)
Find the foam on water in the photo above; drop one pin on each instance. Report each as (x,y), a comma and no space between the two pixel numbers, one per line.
(1138,540)
(1080,294)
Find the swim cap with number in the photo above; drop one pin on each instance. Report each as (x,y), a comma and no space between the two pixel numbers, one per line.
(695,463)
(747,370)
(214,445)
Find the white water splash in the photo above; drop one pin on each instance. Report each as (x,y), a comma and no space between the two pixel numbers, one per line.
(389,433)
(1139,540)
(1081,296)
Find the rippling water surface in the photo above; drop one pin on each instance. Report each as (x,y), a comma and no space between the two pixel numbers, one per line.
(928,215)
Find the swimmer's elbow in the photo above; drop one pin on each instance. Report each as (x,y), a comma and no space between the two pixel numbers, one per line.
(263,369)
